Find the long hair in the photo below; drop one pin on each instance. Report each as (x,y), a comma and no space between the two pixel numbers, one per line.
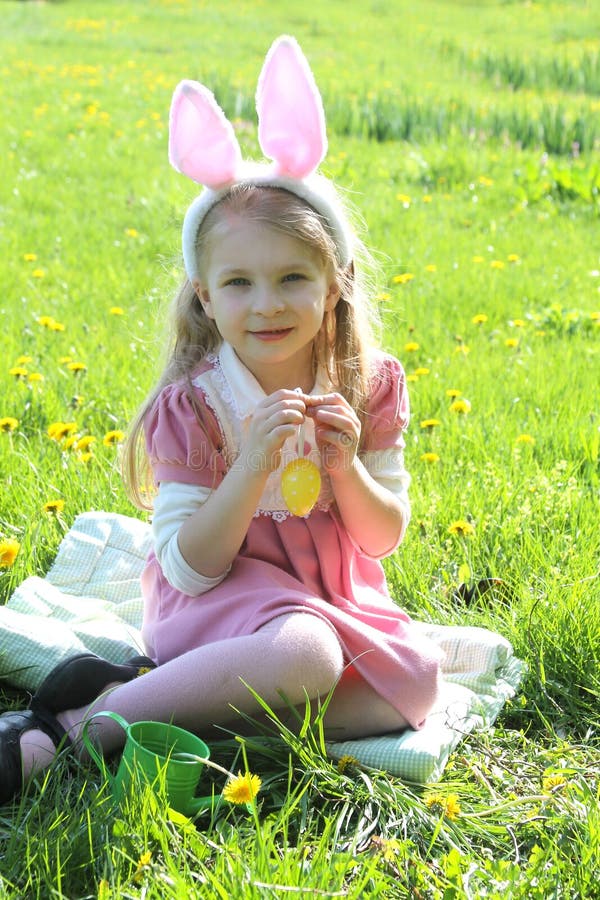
(341,347)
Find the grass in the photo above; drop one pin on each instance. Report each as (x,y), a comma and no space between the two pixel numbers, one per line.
(469,146)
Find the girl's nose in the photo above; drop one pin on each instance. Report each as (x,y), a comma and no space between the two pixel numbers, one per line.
(267,301)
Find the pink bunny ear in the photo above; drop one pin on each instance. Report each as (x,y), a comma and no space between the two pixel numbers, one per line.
(202,143)
(291,120)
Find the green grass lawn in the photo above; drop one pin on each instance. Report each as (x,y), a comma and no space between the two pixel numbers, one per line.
(467,138)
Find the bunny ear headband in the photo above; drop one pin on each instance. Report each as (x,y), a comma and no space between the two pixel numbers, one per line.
(291,132)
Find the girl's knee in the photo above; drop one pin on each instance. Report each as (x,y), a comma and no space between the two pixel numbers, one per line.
(314,658)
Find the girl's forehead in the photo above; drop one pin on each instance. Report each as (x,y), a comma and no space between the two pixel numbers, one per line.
(236,237)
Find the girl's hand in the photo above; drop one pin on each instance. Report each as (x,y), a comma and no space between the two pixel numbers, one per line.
(337,431)
(273,421)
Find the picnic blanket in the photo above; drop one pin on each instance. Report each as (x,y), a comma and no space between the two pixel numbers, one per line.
(90,601)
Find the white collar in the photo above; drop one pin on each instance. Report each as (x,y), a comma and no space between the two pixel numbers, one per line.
(246,392)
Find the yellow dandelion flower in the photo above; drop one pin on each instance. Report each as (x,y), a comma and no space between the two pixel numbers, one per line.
(63,360)
(595,316)
(76,367)
(85,457)
(18,372)
(8,424)
(113,437)
(485,181)
(9,550)
(56,326)
(412,378)
(38,273)
(446,805)
(479,319)
(554,782)
(427,198)
(404,278)
(23,360)
(84,442)
(513,258)
(142,867)
(45,321)
(453,392)
(524,439)
(59,430)
(428,424)
(430,457)
(462,348)
(421,371)
(518,323)
(478,259)
(461,528)
(460,406)
(116,311)
(404,199)
(242,788)
(431,267)
(411,346)
(511,342)
(70,442)
(345,761)
(76,401)
(383,296)
(36,377)
(497,264)
(30,257)
(54,507)
(132,232)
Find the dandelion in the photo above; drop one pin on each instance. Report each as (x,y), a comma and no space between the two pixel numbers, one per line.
(18,372)
(497,264)
(462,348)
(142,867)
(84,442)
(595,316)
(9,550)
(553,783)
(485,181)
(430,457)
(518,323)
(8,424)
(479,319)
(513,258)
(242,788)
(116,311)
(460,406)
(431,268)
(54,507)
(38,273)
(56,326)
(388,847)
(428,424)
(447,806)
(478,259)
(452,393)
(524,439)
(345,761)
(132,232)
(461,528)
(85,457)
(412,377)
(383,296)
(511,342)
(76,401)
(63,360)
(404,199)
(113,437)
(427,198)
(421,371)
(404,278)
(24,360)
(411,346)
(30,257)
(57,431)
(76,367)
(35,377)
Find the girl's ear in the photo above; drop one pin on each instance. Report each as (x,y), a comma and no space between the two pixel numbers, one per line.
(203,296)
(333,295)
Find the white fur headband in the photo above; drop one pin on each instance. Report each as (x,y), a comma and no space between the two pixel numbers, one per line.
(291,132)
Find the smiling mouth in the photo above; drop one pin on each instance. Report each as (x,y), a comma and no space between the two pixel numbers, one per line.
(272,334)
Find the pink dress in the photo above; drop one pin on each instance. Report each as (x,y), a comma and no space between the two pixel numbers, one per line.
(286,563)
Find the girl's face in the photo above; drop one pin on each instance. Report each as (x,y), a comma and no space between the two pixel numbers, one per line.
(267,293)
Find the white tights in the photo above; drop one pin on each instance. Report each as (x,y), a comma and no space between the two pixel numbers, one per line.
(296,655)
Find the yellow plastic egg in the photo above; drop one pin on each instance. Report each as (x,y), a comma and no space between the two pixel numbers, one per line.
(300,485)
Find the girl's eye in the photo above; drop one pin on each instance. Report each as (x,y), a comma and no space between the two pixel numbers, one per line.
(236,282)
(293,276)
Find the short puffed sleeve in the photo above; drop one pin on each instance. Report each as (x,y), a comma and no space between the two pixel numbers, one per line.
(387,413)
(183,439)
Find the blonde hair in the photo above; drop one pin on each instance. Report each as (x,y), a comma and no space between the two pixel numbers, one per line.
(341,347)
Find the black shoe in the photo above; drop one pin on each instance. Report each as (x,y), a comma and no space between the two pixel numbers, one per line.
(77,681)
(12,726)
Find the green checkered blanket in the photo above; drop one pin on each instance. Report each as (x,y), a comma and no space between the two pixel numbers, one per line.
(90,601)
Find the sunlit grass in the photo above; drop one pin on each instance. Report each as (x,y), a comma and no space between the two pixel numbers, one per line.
(484,228)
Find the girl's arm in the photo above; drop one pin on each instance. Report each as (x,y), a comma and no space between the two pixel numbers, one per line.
(373,516)
(210,539)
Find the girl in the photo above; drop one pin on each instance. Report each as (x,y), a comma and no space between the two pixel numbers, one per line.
(271,344)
